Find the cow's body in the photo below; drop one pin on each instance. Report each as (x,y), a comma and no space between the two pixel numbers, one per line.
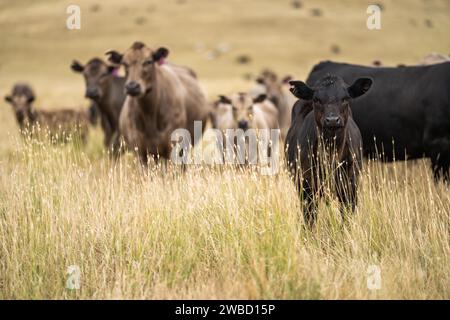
(110,106)
(434,58)
(242,112)
(106,90)
(58,125)
(325,144)
(147,122)
(406,114)
(161,98)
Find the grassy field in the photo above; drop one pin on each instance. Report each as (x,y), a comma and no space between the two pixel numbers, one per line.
(208,233)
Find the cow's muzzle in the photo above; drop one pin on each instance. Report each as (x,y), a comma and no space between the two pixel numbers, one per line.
(243,124)
(333,122)
(133,88)
(92,93)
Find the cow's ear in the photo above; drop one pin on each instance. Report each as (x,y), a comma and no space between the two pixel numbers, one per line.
(8,99)
(359,87)
(160,54)
(76,66)
(301,90)
(111,69)
(224,99)
(260,98)
(114,56)
(260,80)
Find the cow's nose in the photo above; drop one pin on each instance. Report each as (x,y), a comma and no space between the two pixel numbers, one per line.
(333,121)
(133,88)
(243,124)
(92,93)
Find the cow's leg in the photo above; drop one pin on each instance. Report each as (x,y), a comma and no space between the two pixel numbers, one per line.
(309,205)
(143,157)
(107,131)
(435,167)
(93,113)
(117,148)
(446,170)
(437,143)
(440,164)
(346,189)
(444,165)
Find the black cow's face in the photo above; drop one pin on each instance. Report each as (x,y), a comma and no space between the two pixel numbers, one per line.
(21,104)
(96,74)
(331,108)
(331,99)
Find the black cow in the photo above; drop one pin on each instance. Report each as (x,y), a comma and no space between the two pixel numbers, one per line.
(406,115)
(327,142)
(106,90)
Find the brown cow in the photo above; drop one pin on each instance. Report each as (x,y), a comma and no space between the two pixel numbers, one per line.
(61,124)
(161,97)
(434,58)
(278,92)
(241,111)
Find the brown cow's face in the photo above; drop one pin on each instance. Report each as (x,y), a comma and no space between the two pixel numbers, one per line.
(242,108)
(140,63)
(242,105)
(272,85)
(139,67)
(96,75)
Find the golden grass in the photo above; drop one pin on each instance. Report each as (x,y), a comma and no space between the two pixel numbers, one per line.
(208,233)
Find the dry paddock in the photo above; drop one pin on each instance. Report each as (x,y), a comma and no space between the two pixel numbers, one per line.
(209,233)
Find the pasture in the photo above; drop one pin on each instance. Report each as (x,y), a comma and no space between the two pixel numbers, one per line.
(209,232)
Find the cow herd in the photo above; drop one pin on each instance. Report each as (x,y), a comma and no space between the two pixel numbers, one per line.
(341,113)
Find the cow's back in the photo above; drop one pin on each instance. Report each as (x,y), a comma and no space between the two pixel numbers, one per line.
(197,107)
(265,115)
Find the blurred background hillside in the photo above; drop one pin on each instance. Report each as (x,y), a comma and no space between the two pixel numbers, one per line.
(225,41)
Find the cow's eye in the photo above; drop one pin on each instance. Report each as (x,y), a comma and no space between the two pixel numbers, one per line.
(147,62)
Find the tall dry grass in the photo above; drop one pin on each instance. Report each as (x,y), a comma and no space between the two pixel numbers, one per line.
(211,233)
(208,233)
